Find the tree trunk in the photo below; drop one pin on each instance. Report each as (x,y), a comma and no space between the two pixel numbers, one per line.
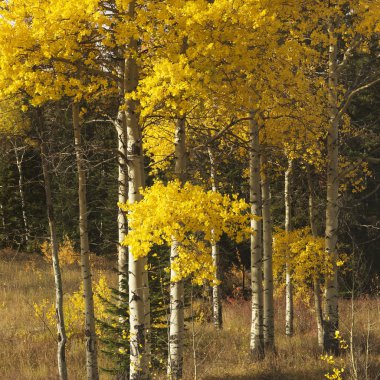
(289,323)
(121,130)
(331,293)
(267,258)
(62,339)
(316,280)
(216,290)
(177,322)
(19,160)
(91,341)
(139,357)
(257,330)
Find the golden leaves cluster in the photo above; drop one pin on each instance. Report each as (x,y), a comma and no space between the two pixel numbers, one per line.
(306,257)
(190,215)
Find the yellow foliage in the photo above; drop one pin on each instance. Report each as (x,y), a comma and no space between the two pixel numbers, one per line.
(192,216)
(73,309)
(305,255)
(336,371)
(66,252)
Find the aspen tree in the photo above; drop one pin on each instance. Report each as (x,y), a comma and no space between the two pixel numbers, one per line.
(289,322)
(19,154)
(338,30)
(91,340)
(268,308)
(121,130)
(177,301)
(316,280)
(138,358)
(62,339)
(216,290)
(257,331)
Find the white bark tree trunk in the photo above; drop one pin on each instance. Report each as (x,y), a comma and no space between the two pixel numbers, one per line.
(177,321)
(216,290)
(289,319)
(139,357)
(257,330)
(267,258)
(121,130)
(62,339)
(91,340)
(316,280)
(331,293)
(19,154)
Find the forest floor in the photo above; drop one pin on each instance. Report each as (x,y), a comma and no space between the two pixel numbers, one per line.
(28,348)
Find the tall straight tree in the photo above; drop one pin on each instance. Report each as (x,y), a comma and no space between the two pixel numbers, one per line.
(316,280)
(121,130)
(257,329)
(289,318)
(91,340)
(177,302)
(268,312)
(62,338)
(139,366)
(19,155)
(216,289)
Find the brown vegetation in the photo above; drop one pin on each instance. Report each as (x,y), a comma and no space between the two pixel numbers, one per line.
(28,348)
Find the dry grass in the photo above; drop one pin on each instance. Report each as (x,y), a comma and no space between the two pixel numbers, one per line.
(28,349)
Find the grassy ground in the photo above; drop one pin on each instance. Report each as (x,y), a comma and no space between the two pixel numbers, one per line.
(28,348)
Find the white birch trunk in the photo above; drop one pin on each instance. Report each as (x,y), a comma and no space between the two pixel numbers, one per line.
(257,331)
(91,341)
(121,130)
(289,319)
(19,160)
(216,290)
(267,258)
(316,280)
(176,320)
(331,293)
(61,338)
(139,361)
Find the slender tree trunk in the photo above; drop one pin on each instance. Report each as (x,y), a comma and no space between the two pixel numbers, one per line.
(139,357)
(121,130)
(216,290)
(289,322)
(267,258)
(91,341)
(62,339)
(19,160)
(331,293)
(257,330)
(316,280)
(177,321)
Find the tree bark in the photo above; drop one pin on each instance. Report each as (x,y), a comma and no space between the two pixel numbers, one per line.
(267,258)
(216,290)
(316,280)
(91,340)
(62,339)
(19,160)
(139,357)
(121,130)
(331,317)
(177,321)
(257,330)
(289,322)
